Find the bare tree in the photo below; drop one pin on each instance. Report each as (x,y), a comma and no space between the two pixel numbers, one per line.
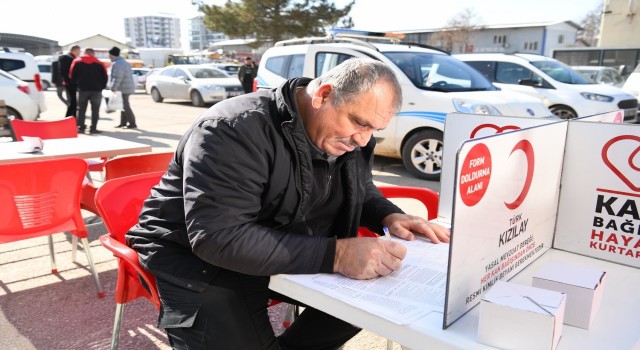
(590,32)
(457,33)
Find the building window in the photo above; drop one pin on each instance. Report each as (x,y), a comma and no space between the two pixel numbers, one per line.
(560,39)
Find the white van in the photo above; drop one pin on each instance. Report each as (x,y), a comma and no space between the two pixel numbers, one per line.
(434,84)
(23,66)
(566,92)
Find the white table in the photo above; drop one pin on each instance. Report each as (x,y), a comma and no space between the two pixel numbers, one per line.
(80,147)
(615,326)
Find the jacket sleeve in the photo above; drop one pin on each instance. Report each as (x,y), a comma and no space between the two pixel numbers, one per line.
(225,169)
(116,76)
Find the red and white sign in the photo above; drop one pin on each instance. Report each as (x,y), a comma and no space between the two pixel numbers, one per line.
(504,214)
(462,127)
(599,211)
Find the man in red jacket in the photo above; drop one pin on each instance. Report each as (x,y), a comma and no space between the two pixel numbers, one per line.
(90,76)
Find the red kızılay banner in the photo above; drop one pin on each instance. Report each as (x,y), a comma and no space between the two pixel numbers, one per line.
(599,208)
(505,206)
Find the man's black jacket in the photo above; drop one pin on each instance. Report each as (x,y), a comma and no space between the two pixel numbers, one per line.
(235,195)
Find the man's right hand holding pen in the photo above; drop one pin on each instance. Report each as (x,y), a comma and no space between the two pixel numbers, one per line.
(366,257)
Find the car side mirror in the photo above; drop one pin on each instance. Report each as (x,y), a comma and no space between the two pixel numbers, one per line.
(529,82)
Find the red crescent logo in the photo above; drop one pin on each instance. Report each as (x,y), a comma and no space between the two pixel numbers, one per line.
(632,155)
(526,147)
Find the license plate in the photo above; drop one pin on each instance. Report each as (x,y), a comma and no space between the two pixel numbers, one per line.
(235,93)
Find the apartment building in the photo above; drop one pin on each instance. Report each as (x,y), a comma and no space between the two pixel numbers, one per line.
(153,31)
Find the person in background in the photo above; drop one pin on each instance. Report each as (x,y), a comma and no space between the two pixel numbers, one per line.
(247,72)
(56,79)
(69,84)
(90,76)
(290,200)
(122,80)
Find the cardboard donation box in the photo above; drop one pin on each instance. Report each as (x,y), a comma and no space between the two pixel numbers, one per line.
(514,316)
(582,285)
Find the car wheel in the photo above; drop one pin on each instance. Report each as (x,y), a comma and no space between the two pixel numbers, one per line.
(563,112)
(45,85)
(196,98)
(422,154)
(12,113)
(155,95)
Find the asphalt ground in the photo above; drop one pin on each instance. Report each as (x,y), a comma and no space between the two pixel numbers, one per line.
(41,310)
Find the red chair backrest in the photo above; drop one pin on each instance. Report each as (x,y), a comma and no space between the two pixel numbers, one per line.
(119,201)
(41,198)
(428,197)
(46,129)
(137,164)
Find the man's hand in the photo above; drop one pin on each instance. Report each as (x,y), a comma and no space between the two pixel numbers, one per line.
(405,226)
(366,258)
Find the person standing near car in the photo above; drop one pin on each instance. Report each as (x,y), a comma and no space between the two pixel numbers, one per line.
(69,85)
(122,80)
(90,76)
(247,72)
(56,79)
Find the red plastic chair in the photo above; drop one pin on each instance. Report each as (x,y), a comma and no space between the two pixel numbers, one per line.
(429,199)
(119,202)
(125,166)
(42,198)
(53,129)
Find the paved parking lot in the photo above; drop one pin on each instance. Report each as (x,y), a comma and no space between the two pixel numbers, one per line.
(39,310)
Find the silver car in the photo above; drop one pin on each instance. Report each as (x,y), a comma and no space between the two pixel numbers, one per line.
(201,84)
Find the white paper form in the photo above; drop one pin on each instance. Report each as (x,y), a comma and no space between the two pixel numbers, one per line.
(405,295)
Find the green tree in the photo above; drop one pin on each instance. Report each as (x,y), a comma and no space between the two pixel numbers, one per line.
(274,20)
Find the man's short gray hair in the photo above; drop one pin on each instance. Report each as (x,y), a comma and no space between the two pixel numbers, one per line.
(355,77)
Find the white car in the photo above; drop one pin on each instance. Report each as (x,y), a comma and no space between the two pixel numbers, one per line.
(433,82)
(23,66)
(201,84)
(566,92)
(601,75)
(140,76)
(15,94)
(632,85)
(45,75)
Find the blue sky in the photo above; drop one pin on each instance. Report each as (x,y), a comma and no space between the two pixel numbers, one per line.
(85,18)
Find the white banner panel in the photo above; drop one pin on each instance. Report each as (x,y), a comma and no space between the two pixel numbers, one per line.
(461,127)
(505,206)
(611,117)
(599,211)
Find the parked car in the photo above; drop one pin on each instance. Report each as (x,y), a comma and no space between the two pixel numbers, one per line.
(433,82)
(601,75)
(231,68)
(566,92)
(149,77)
(45,75)
(23,66)
(140,76)
(201,84)
(15,94)
(632,85)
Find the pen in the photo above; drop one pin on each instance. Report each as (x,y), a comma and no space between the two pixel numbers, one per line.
(386,232)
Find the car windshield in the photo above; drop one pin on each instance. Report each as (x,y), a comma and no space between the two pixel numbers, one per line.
(207,73)
(561,72)
(438,72)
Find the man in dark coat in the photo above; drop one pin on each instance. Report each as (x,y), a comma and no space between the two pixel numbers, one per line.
(290,200)
(90,76)
(69,85)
